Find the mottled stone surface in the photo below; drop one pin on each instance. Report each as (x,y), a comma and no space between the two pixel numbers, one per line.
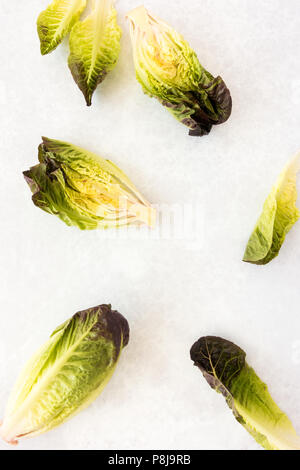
(172,291)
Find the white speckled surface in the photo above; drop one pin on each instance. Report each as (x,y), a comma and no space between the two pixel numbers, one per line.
(171,291)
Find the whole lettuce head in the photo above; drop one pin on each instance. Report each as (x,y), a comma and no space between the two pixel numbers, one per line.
(66,374)
(85,190)
(169,70)
(223,364)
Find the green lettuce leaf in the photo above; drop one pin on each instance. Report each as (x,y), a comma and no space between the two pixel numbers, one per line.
(223,364)
(277,218)
(169,70)
(85,190)
(56,22)
(94,47)
(66,374)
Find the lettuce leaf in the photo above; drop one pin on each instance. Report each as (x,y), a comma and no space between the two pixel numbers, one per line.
(94,47)
(56,22)
(66,374)
(223,365)
(168,69)
(277,218)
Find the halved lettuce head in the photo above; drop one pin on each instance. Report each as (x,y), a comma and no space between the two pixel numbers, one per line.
(169,70)
(277,218)
(66,374)
(56,22)
(224,366)
(85,190)
(94,47)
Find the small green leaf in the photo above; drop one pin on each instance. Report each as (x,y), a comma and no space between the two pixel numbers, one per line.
(56,22)
(94,47)
(277,218)
(85,190)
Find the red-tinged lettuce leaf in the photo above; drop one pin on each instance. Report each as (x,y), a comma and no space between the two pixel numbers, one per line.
(85,190)
(67,373)
(223,364)
(94,47)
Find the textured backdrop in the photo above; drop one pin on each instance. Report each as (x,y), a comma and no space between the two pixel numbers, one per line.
(171,290)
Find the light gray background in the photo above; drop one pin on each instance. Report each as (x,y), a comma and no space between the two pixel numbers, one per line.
(171,291)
